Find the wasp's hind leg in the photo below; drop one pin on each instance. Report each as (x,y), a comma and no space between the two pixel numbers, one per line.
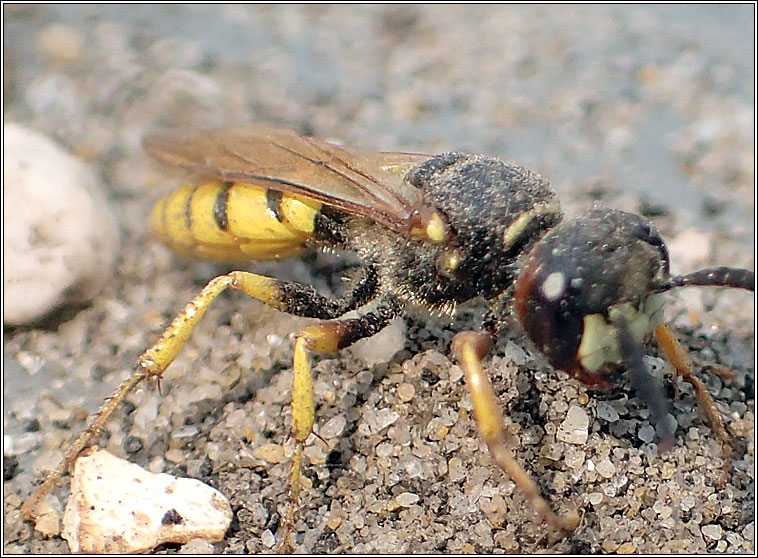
(683,367)
(294,298)
(470,348)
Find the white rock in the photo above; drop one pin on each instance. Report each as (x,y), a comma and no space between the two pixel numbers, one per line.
(606,412)
(606,468)
(333,427)
(713,532)
(575,429)
(48,520)
(197,546)
(60,239)
(407,499)
(646,433)
(118,507)
(381,347)
(515,353)
(268,539)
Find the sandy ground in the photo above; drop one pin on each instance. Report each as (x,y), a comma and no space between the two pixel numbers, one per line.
(648,109)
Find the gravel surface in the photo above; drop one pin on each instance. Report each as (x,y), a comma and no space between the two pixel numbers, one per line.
(648,109)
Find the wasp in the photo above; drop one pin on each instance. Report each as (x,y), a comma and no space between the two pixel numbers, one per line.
(431,233)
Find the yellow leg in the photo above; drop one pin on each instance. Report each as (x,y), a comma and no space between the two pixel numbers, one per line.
(683,366)
(303,416)
(322,338)
(157,358)
(470,348)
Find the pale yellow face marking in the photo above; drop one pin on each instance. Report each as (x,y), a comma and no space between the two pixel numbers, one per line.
(600,343)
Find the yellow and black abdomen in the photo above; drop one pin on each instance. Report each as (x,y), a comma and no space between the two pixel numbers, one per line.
(233,221)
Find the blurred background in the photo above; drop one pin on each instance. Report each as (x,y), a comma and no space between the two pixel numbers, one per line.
(640,98)
(646,108)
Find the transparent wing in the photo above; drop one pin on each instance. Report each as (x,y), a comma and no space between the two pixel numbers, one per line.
(360,182)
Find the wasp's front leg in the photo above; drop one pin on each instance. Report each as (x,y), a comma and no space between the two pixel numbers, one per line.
(469,349)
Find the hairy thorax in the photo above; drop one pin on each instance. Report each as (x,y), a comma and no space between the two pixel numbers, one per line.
(493,211)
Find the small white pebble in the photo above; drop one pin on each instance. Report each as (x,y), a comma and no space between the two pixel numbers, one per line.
(381,347)
(575,429)
(197,546)
(186,431)
(406,392)
(271,453)
(688,502)
(333,427)
(384,418)
(385,449)
(205,392)
(157,464)
(748,531)
(646,433)
(606,412)
(456,373)
(515,353)
(595,498)
(19,444)
(413,467)
(560,407)
(407,499)
(606,468)
(174,455)
(48,521)
(315,454)
(574,459)
(268,539)
(531,435)
(713,531)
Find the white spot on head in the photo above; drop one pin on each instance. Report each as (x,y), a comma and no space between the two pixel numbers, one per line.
(554,286)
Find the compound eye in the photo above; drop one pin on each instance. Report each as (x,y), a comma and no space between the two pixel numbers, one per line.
(546,308)
(649,234)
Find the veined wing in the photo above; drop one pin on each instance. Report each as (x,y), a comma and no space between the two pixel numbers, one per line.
(360,182)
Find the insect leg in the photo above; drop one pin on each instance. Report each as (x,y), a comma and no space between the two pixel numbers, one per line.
(470,348)
(683,366)
(322,338)
(294,298)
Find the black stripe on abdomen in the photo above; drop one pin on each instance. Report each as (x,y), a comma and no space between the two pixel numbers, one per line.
(220,207)
(274,203)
